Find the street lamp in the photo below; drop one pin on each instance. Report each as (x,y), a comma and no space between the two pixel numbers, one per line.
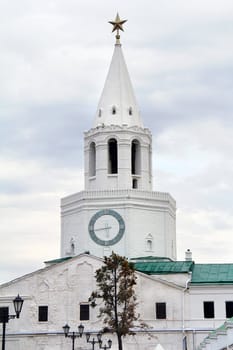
(73,335)
(94,341)
(99,341)
(5,317)
(105,347)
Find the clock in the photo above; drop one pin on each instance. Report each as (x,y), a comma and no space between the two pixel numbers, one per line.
(106,227)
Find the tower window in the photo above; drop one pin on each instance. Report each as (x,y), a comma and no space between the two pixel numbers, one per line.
(135,183)
(160,309)
(112,157)
(208,307)
(43,313)
(100,112)
(113,110)
(135,158)
(72,247)
(229,309)
(130,111)
(149,244)
(84,312)
(92,159)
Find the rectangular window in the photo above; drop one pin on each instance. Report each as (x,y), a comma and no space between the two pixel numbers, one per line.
(229,309)
(43,313)
(161,311)
(208,307)
(84,312)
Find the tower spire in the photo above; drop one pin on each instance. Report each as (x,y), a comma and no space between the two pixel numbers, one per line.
(118,25)
(117,105)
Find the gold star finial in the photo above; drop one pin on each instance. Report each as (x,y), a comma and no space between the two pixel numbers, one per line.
(117,25)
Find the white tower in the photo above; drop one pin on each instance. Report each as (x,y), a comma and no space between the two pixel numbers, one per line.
(118,211)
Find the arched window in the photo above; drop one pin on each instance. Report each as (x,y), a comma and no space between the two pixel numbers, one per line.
(112,157)
(92,160)
(113,110)
(72,247)
(135,183)
(149,243)
(135,158)
(130,111)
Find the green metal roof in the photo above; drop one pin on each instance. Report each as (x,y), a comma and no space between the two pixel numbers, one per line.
(163,267)
(59,260)
(151,258)
(212,273)
(201,273)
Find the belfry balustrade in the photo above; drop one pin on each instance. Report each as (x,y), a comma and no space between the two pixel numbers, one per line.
(5,317)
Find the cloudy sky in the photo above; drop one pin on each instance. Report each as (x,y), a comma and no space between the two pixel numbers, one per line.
(54,59)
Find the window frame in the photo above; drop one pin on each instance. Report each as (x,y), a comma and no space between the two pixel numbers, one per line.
(229,313)
(43,313)
(208,309)
(161,310)
(84,315)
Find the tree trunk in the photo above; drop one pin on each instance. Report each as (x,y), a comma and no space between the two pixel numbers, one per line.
(119,338)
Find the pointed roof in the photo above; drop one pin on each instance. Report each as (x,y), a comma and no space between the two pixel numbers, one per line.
(117,105)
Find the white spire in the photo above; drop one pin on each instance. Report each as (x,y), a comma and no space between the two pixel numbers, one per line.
(117,104)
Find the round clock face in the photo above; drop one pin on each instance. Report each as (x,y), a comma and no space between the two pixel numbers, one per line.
(106,227)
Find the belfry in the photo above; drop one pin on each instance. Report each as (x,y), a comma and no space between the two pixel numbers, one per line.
(118,210)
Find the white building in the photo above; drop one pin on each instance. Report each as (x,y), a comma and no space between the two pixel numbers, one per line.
(180,301)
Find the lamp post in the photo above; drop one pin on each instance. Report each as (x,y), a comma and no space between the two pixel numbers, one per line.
(94,341)
(5,317)
(99,341)
(105,347)
(73,335)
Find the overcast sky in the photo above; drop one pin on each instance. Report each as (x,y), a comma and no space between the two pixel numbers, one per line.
(53,63)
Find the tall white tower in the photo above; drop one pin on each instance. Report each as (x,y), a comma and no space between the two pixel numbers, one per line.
(118,211)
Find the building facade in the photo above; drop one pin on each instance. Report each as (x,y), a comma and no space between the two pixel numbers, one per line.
(180,301)
(118,210)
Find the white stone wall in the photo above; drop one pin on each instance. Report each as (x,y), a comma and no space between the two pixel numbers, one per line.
(63,287)
(146,214)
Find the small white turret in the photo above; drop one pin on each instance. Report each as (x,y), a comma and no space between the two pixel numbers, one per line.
(188,255)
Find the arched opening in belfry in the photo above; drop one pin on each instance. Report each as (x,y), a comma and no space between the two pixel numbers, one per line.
(135,183)
(135,158)
(112,157)
(92,160)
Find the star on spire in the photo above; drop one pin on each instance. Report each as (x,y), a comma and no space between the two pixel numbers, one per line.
(117,25)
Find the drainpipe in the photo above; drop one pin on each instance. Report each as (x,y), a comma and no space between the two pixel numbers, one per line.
(183,302)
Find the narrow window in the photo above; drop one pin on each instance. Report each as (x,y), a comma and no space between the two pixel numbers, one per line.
(84,312)
(229,309)
(100,113)
(130,111)
(208,307)
(92,160)
(112,157)
(149,244)
(135,183)
(135,158)
(72,247)
(113,110)
(43,313)
(161,311)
